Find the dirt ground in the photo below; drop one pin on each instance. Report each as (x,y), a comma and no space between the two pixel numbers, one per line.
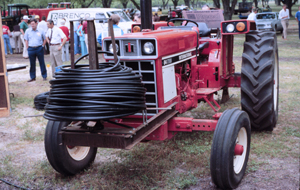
(272,172)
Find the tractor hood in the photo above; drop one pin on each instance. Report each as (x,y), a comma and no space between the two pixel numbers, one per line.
(167,42)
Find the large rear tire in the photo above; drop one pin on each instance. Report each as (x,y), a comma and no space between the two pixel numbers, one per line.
(260,79)
(67,160)
(228,160)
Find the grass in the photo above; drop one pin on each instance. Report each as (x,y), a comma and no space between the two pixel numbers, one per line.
(177,163)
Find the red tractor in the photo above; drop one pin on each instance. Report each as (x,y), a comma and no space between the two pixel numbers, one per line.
(180,67)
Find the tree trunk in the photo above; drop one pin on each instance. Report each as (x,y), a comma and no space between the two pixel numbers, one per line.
(217,4)
(125,4)
(165,2)
(187,3)
(175,3)
(255,3)
(135,4)
(228,10)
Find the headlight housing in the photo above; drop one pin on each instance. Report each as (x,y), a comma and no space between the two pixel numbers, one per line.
(230,28)
(110,48)
(148,48)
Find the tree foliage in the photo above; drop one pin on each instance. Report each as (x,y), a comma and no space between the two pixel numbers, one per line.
(289,4)
(82,3)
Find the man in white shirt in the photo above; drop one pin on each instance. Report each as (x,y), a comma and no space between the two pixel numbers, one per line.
(284,15)
(56,39)
(252,16)
(43,26)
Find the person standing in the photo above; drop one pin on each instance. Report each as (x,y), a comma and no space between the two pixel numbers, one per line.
(77,50)
(43,26)
(6,36)
(117,30)
(65,49)
(81,34)
(252,16)
(156,18)
(23,28)
(284,15)
(297,16)
(85,30)
(54,36)
(35,40)
(17,38)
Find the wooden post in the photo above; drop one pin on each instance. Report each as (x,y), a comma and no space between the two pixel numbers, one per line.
(4,93)
(92,44)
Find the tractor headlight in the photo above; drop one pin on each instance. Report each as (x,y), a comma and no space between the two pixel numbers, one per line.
(110,48)
(230,28)
(148,48)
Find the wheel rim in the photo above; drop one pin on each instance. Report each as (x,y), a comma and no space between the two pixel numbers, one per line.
(78,152)
(275,86)
(238,161)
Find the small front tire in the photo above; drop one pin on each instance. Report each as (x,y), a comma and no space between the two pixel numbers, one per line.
(67,160)
(227,163)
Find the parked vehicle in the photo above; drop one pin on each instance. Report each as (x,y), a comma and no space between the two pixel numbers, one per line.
(156,10)
(15,12)
(97,13)
(268,21)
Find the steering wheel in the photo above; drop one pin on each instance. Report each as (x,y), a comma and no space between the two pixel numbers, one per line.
(183,19)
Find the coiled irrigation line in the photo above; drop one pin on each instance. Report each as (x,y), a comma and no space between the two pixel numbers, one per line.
(82,94)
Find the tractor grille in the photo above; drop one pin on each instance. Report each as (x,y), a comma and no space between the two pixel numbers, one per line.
(147,70)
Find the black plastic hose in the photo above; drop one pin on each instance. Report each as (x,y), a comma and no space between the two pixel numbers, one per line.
(81,94)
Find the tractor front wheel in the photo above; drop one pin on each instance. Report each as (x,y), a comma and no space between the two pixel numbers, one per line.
(230,149)
(67,160)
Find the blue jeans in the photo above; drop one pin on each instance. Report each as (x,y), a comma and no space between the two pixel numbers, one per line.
(34,53)
(76,44)
(7,42)
(83,48)
(299,28)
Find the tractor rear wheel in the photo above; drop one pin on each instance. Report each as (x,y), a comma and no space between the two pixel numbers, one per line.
(67,160)
(230,149)
(260,79)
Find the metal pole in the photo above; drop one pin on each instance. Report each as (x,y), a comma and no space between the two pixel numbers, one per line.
(72,44)
(146,14)
(92,44)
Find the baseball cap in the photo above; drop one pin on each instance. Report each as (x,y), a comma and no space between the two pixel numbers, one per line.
(25,17)
(37,17)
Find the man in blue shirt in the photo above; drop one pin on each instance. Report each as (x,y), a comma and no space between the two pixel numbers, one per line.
(297,16)
(35,41)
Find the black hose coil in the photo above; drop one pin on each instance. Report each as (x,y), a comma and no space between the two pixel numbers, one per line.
(81,94)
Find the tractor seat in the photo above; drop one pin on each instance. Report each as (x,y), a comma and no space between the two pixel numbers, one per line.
(204,31)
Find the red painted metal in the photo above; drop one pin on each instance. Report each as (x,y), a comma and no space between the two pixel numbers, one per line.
(187,124)
(238,150)
(155,25)
(250,25)
(197,78)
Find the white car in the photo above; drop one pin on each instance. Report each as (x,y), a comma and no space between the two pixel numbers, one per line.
(268,21)
(97,13)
